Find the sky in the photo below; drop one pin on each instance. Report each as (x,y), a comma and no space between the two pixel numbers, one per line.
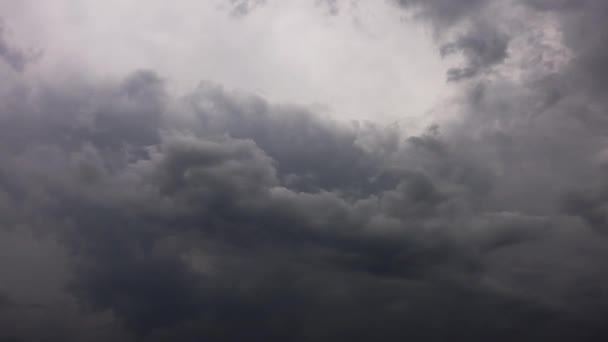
(303,170)
(349,64)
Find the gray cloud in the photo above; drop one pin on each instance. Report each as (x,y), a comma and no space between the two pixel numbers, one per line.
(200,230)
(482,49)
(445,13)
(222,216)
(12,55)
(241,8)
(481,41)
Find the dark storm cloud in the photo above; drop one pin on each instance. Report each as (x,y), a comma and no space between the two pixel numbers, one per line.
(478,38)
(199,233)
(482,48)
(311,153)
(220,216)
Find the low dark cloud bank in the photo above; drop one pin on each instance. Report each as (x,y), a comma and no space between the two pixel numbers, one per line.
(219,216)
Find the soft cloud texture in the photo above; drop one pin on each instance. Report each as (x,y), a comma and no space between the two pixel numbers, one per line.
(12,55)
(366,62)
(220,215)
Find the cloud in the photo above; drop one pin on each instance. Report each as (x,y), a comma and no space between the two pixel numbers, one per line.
(187,228)
(591,206)
(10,54)
(223,216)
(482,49)
(444,13)
(243,7)
(466,26)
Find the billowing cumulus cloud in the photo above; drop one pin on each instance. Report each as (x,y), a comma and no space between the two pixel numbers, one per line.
(129,213)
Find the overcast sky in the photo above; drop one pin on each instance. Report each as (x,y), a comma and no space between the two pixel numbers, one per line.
(362,61)
(306,170)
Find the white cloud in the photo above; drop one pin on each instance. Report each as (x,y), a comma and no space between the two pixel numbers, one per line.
(366,62)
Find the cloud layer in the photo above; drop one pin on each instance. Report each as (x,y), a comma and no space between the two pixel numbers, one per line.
(222,216)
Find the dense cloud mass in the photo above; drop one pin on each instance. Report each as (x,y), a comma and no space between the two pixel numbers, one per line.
(130,214)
